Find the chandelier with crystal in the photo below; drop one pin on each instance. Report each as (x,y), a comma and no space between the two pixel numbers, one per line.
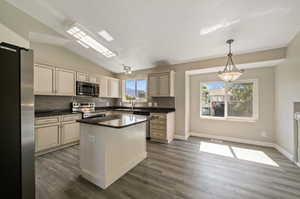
(230,72)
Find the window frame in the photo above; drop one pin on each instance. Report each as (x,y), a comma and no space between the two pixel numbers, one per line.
(124,90)
(255,103)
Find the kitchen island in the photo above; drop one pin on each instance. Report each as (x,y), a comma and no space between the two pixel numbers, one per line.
(110,146)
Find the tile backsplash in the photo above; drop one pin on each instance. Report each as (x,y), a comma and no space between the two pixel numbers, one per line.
(164,102)
(49,103)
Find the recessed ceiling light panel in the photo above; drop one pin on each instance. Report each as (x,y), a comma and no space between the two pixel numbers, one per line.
(87,41)
(106,35)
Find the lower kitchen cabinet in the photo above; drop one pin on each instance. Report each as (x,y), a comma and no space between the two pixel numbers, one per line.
(162,127)
(56,132)
(70,132)
(46,137)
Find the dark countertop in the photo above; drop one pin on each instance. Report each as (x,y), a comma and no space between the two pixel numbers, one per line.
(54,113)
(115,121)
(108,108)
(138,109)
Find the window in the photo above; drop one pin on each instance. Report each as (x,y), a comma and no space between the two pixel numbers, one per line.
(135,90)
(238,100)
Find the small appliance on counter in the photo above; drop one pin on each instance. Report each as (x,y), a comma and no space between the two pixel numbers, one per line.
(87,89)
(87,109)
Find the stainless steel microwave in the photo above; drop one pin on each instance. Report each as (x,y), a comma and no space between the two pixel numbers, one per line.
(87,89)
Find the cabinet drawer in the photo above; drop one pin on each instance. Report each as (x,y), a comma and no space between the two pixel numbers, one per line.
(157,126)
(67,118)
(156,134)
(159,116)
(157,121)
(46,120)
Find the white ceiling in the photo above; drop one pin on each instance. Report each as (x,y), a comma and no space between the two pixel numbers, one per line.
(153,32)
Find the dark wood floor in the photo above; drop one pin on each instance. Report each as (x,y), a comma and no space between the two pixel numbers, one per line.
(177,170)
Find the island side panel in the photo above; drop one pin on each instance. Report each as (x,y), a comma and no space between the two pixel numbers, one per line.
(92,153)
(128,146)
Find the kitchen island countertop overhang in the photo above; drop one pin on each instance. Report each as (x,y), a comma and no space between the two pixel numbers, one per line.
(115,121)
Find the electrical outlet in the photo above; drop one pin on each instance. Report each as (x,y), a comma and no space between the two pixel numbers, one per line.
(107,103)
(91,138)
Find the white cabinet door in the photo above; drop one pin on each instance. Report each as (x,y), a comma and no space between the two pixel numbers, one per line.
(93,79)
(153,85)
(82,77)
(70,132)
(164,85)
(46,137)
(103,87)
(44,80)
(114,88)
(65,82)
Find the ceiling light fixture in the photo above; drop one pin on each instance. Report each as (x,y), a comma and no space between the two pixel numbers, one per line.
(127,69)
(84,39)
(230,72)
(82,44)
(106,35)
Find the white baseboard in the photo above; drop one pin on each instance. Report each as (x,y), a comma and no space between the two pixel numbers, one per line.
(284,152)
(232,139)
(181,137)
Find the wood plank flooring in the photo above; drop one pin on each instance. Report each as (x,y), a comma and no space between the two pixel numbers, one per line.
(177,170)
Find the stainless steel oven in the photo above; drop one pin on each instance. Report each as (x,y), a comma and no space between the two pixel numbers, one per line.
(87,89)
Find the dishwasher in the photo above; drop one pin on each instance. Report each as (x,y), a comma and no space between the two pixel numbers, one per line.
(147,123)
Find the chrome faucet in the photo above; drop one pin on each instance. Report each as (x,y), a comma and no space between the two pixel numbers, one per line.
(132,104)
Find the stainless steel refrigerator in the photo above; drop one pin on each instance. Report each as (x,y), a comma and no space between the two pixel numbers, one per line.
(17,122)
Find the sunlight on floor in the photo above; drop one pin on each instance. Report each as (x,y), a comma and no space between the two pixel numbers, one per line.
(237,152)
(253,156)
(218,149)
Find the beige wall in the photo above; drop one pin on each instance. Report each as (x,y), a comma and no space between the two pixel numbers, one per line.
(182,127)
(62,57)
(287,79)
(242,130)
(8,36)
(181,101)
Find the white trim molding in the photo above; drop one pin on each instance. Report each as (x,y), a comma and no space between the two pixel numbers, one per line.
(232,139)
(285,153)
(181,137)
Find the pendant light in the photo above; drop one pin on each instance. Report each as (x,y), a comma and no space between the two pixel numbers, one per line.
(230,72)
(127,69)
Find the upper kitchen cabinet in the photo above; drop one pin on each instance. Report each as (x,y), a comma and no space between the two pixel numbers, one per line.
(82,77)
(161,84)
(114,88)
(44,80)
(49,80)
(65,82)
(103,81)
(109,87)
(93,79)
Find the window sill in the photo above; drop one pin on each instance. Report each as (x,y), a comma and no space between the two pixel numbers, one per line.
(230,119)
